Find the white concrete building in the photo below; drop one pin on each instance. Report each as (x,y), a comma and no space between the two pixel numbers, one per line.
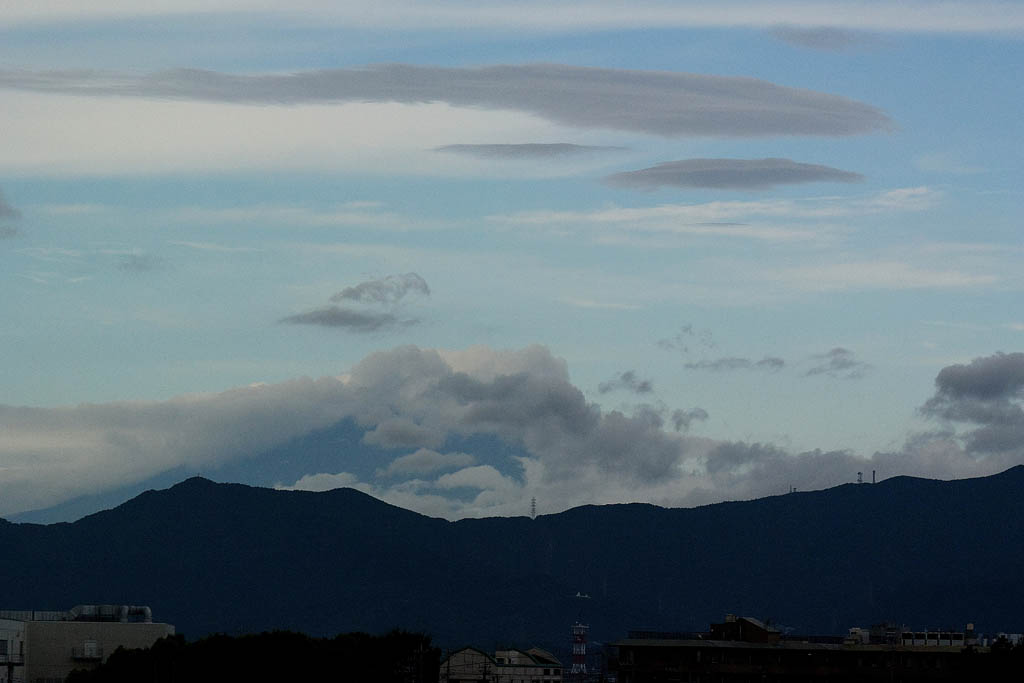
(45,646)
(505,666)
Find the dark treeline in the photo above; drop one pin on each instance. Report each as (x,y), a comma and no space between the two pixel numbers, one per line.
(397,657)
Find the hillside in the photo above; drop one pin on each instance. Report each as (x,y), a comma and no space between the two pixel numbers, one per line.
(231,558)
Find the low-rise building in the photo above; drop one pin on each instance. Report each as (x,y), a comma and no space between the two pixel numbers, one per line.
(45,646)
(470,665)
(745,649)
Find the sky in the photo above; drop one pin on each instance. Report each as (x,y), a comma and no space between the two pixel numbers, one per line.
(463,255)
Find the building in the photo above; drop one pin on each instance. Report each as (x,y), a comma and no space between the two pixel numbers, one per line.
(45,646)
(745,649)
(470,665)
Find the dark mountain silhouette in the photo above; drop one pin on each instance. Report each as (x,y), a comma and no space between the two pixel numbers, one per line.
(231,558)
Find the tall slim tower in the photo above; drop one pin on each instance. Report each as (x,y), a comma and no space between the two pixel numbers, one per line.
(579,648)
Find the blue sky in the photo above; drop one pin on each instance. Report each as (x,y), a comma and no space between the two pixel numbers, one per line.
(740,243)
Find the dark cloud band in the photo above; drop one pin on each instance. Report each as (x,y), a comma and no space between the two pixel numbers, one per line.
(654,102)
(730,174)
(335,316)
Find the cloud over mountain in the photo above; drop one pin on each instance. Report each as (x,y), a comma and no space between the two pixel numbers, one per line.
(410,399)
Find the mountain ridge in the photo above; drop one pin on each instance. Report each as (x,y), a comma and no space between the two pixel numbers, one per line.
(213,557)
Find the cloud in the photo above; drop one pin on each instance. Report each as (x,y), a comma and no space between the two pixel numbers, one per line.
(478,477)
(943,163)
(525,151)
(651,102)
(682,419)
(356,321)
(881,274)
(137,262)
(522,397)
(917,16)
(402,433)
(775,220)
(389,290)
(840,363)
(729,174)
(8,214)
(999,376)
(376,301)
(321,482)
(565,451)
(985,395)
(733,363)
(426,461)
(826,38)
(627,381)
(687,336)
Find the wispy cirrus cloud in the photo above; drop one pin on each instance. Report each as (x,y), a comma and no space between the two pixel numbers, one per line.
(525,151)
(651,102)
(729,174)
(877,274)
(957,16)
(776,220)
(825,38)
(729,363)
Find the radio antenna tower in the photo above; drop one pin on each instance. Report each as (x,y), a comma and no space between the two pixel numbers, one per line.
(579,649)
(533,508)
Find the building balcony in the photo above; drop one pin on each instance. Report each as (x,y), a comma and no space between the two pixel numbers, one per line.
(87,654)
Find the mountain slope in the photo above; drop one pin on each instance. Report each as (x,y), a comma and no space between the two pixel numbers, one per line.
(227,557)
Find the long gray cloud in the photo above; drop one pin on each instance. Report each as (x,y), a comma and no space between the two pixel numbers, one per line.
(356,321)
(733,363)
(653,102)
(729,174)
(826,38)
(525,151)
